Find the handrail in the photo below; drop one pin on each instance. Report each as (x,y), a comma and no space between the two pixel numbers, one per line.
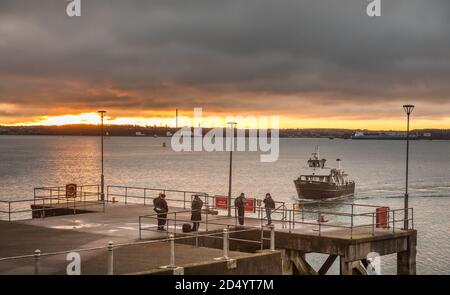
(116,245)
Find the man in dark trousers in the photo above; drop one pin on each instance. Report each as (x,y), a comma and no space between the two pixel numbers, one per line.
(160,207)
(196,215)
(269,204)
(239,203)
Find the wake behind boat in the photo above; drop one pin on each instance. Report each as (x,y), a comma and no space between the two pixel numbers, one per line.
(322,182)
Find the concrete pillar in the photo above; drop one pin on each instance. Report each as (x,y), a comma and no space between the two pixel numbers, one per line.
(406,260)
(346,266)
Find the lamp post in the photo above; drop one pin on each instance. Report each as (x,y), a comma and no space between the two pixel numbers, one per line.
(232,126)
(408,110)
(102,180)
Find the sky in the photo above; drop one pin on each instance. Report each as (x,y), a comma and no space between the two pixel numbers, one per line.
(313,63)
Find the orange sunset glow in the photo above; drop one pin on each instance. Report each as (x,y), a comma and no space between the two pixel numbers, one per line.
(142,66)
(217,120)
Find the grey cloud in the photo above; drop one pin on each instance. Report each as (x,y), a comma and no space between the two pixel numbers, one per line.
(227,55)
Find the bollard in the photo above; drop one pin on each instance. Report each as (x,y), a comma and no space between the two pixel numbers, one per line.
(272,237)
(225,247)
(172,251)
(110,259)
(37,262)
(225,244)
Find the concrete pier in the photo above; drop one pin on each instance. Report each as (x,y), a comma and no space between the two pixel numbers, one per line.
(121,223)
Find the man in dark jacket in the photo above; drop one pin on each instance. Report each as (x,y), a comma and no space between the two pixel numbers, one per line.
(196,215)
(269,204)
(160,207)
(239,203)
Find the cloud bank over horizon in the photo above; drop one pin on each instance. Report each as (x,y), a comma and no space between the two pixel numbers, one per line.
(303,60)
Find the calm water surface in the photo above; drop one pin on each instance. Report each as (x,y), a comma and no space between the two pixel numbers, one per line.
(377,166)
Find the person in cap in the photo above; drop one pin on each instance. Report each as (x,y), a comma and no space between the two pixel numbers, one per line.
(239,203)
(161,208)
(269,204)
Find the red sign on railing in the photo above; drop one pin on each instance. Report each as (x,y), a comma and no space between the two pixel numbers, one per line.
(221,202)
(71,190)
(250,205)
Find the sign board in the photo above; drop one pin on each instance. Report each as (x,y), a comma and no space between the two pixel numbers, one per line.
(250,205)
(221,202)
(71,190)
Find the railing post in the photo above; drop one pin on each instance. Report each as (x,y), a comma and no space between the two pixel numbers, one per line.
(126,194)
(110,259)
(9,211)
(373,223)
(320,224)
(75,206)
(272,237)
(145,195)
(351,229)
(43,208)
(303,213)
(37,262)
(104,204)
(196,238)
(393,221)
(184,200)
(225,244)
(290,221)
(412,218)
(175,223)
(172,251)
(207,213)
(293,219)
(262,238)
(140,228)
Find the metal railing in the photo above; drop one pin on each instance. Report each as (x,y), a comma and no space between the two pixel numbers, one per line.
(48,199)
(181,198)
(173,220)
(145,195)
(351,219)
(357,219)
(37,256)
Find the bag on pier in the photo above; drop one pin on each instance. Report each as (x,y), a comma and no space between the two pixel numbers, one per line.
(187,228)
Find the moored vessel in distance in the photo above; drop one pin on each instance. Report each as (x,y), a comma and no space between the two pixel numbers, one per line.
(382,136)
(323,182)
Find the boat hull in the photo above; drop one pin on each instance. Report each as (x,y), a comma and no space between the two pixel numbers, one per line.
(321,190)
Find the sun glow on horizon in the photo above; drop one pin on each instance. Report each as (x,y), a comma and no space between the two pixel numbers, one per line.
(221,121)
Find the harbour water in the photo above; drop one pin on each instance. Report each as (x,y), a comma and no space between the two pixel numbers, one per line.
(378,168)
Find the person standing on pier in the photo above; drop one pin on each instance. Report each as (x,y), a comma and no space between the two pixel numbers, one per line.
(269,204)
(160,207)
(196,215)
(239,203)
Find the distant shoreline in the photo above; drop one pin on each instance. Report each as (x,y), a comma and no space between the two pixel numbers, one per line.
(168,137)
(160,131)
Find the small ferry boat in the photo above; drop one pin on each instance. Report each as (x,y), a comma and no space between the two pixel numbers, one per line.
(322,182)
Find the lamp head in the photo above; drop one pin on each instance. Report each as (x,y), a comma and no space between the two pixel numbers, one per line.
(408,108)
